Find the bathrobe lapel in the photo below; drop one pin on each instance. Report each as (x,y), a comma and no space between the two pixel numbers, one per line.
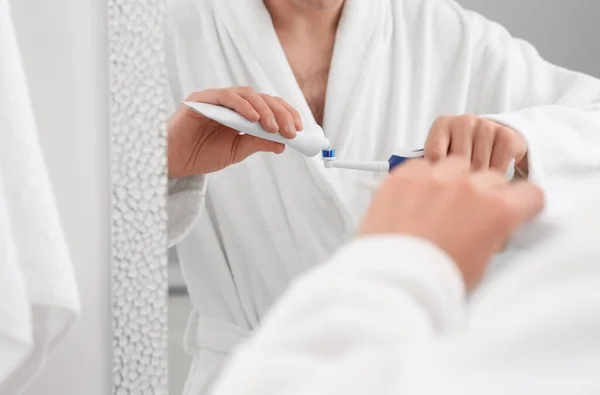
(358,45)
(257,48)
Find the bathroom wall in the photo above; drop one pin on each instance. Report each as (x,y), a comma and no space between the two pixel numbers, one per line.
(63,43)
(565,32)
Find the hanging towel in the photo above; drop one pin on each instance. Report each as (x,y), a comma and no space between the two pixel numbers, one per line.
(38,294)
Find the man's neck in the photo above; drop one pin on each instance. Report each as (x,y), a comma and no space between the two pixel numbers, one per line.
(290,17)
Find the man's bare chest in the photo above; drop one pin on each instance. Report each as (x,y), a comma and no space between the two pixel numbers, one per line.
(314,87)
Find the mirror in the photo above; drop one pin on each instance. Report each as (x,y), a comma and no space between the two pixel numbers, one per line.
(240,256)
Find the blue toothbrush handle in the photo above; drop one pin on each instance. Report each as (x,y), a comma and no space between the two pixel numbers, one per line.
(397,160)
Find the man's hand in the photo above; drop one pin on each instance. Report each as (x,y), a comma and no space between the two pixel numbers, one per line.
(487,144)
(199,145)
(469,215)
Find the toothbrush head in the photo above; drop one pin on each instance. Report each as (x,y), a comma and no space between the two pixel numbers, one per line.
(328,154)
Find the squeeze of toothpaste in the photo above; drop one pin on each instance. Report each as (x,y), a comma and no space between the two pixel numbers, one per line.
(330,161)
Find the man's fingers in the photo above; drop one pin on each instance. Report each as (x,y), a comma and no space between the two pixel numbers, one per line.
(489,180)
(524,200)
(292,110)
(503,152)
(226,98)
(274,113)
(438,140)
(483,145)
(287,127)
(452,167)
(461,138)
(267,117)
(414,167)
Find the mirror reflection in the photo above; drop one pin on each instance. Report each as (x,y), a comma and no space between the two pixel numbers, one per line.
(410,154)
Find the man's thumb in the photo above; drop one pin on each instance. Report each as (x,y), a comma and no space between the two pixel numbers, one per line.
(248,145)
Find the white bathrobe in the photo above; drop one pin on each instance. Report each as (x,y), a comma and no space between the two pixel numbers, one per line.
(388,316)
(397,65)
(38,294)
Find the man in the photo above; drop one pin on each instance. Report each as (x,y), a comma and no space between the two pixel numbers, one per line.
(388,314)
(377,75)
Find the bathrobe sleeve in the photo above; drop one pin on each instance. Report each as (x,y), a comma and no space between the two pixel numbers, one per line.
(185,198)
(184,205)
(339,329)
(557,110)
(387,316)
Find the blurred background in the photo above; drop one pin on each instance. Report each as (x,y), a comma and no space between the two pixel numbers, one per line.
(564,32)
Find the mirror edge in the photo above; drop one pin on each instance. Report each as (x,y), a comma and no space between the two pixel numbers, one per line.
(138,115)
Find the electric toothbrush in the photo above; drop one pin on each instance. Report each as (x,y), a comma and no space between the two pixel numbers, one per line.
(309,142)
(330,161)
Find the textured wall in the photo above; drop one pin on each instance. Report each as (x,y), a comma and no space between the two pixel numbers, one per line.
(137,80)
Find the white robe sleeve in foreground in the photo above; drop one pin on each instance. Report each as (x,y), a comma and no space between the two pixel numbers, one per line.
(557,110)
(342,327)
(386,315)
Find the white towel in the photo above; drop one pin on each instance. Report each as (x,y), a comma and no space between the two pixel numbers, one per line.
(38,294)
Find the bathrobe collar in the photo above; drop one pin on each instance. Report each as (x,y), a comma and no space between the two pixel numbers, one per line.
(358,43)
